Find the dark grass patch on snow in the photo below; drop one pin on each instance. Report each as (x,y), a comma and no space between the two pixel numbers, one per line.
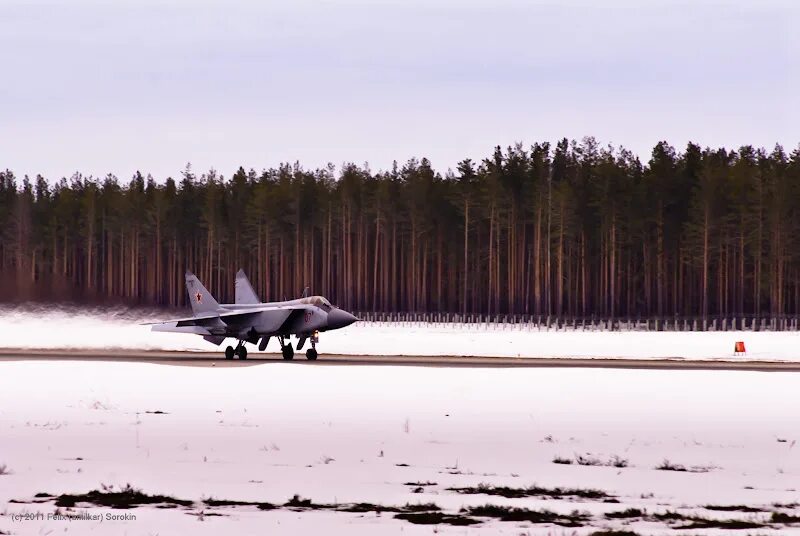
(531,491)
(588,461)
(216,503)
(507,513)
(299,502)
(730,524)
(626,514)
(667,465)
(360,508)
(614,533)
(670,515)
(221,502)
(700,469)
(409,508)
(618,462)
(421,507)
(420,484)
(614,461)
(363,507)
(698,522)
(39,498)
(733,508)
(785,519)
(437,518)
(203,514)
(127,497)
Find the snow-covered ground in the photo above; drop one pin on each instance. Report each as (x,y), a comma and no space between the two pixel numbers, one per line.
(98,328)
(352,434)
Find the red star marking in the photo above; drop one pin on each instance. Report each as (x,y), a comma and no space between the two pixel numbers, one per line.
(198,297)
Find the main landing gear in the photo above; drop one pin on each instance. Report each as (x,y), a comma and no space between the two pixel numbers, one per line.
(286,349)
(240,351)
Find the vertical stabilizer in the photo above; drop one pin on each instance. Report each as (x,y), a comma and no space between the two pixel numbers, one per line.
(244,290)
(201,299)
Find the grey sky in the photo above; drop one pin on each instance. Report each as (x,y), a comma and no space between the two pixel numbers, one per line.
(99,87)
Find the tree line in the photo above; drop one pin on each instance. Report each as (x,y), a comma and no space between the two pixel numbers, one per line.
(573,229)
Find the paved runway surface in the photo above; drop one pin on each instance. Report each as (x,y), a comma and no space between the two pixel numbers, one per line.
(208,359)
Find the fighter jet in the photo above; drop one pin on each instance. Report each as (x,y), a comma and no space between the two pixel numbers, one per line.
(248,320)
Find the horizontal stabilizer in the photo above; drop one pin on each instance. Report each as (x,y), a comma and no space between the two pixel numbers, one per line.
(188,321)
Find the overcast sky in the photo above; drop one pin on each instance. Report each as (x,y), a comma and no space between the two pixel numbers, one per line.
(112,87)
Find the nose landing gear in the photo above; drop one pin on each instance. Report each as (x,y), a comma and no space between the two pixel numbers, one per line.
(311,353)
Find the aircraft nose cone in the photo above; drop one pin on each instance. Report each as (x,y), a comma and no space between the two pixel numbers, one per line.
(339,318)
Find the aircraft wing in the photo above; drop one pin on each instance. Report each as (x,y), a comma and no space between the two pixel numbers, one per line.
(236,317)
(207,319)
(182,320)
(269,318)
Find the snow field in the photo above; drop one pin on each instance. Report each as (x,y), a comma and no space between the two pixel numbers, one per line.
(359,433)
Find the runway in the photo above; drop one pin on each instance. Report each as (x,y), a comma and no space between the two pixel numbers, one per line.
(214,359)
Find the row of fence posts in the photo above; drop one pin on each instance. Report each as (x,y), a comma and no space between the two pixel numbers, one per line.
(553,323)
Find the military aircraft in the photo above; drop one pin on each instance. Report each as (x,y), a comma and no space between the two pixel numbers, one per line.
(249,320)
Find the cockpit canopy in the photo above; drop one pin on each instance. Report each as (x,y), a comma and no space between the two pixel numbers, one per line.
(318,301)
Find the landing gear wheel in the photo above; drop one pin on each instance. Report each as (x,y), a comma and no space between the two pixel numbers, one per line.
(311,354)
(241,352)
(229,352)
(288,352)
